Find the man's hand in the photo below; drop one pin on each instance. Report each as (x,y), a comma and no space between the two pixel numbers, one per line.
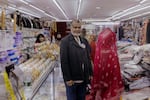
(70,83)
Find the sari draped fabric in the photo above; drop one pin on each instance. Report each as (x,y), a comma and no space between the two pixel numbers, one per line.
(107,82)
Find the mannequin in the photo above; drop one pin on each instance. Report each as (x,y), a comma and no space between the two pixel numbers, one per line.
(107,83)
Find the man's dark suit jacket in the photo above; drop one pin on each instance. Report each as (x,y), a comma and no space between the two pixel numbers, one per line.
(72,59)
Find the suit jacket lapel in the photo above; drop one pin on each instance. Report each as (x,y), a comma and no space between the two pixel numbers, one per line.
(73,41)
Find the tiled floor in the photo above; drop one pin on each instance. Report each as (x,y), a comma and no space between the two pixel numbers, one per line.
(133,95)
(46,92)
(59,85)
(142,94)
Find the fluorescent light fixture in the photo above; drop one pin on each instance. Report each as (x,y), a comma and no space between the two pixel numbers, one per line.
(132,8)
(42,11)
(120,13)
(28,13)
(78,10)
(24,2)
(34,8)
(109,18)
(37,8)
(143,1)
(12,8)
(98,8)
(22,11)
(95,20)
(59,7)
(105,23)
(63,20)
(139,15)
(12,5)
(50,16)
(132,12)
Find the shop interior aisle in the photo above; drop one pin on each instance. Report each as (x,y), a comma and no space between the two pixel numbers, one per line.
(60,93)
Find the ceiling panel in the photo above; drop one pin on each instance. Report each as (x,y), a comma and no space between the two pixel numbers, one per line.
(146,11)
(48,6)
(108,7)
(88,9)
(70,7)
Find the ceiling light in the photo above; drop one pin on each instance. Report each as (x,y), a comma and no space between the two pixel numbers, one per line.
(105,23)
(12,8)
(36,8)
(132,12)
(98,8)
(42,11)
(24,2)
(78,10)
(142,1)
(109,18)
(51,16)
(31,14)
(139,15)
(12,5)
(56,3)
(120,13)
(95,20)
(63,20)
(132,8)
(22,11)
(32,6)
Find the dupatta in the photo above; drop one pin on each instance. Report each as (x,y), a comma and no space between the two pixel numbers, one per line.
(107,83)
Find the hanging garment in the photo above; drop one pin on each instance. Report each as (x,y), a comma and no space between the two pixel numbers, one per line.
(93,47)
(144,31)
(141,83)
(148,33)
(107,83)
(121,33)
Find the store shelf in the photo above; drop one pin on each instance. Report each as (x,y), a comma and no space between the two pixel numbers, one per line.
(38,83)
(29,37)
(27,48)
(30,29)
(11,48)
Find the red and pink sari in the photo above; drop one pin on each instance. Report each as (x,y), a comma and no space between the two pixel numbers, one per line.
(107,82)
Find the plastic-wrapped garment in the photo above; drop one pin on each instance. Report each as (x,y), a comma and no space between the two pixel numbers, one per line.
(107,83)
(141,83)
(132,73)
(145,66)
(133,70)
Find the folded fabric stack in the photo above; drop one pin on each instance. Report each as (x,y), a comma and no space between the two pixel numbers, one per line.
(135,69)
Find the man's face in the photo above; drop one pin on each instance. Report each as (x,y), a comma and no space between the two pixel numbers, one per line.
(76,28)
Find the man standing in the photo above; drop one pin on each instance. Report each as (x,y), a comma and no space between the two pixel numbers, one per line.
(75,63)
